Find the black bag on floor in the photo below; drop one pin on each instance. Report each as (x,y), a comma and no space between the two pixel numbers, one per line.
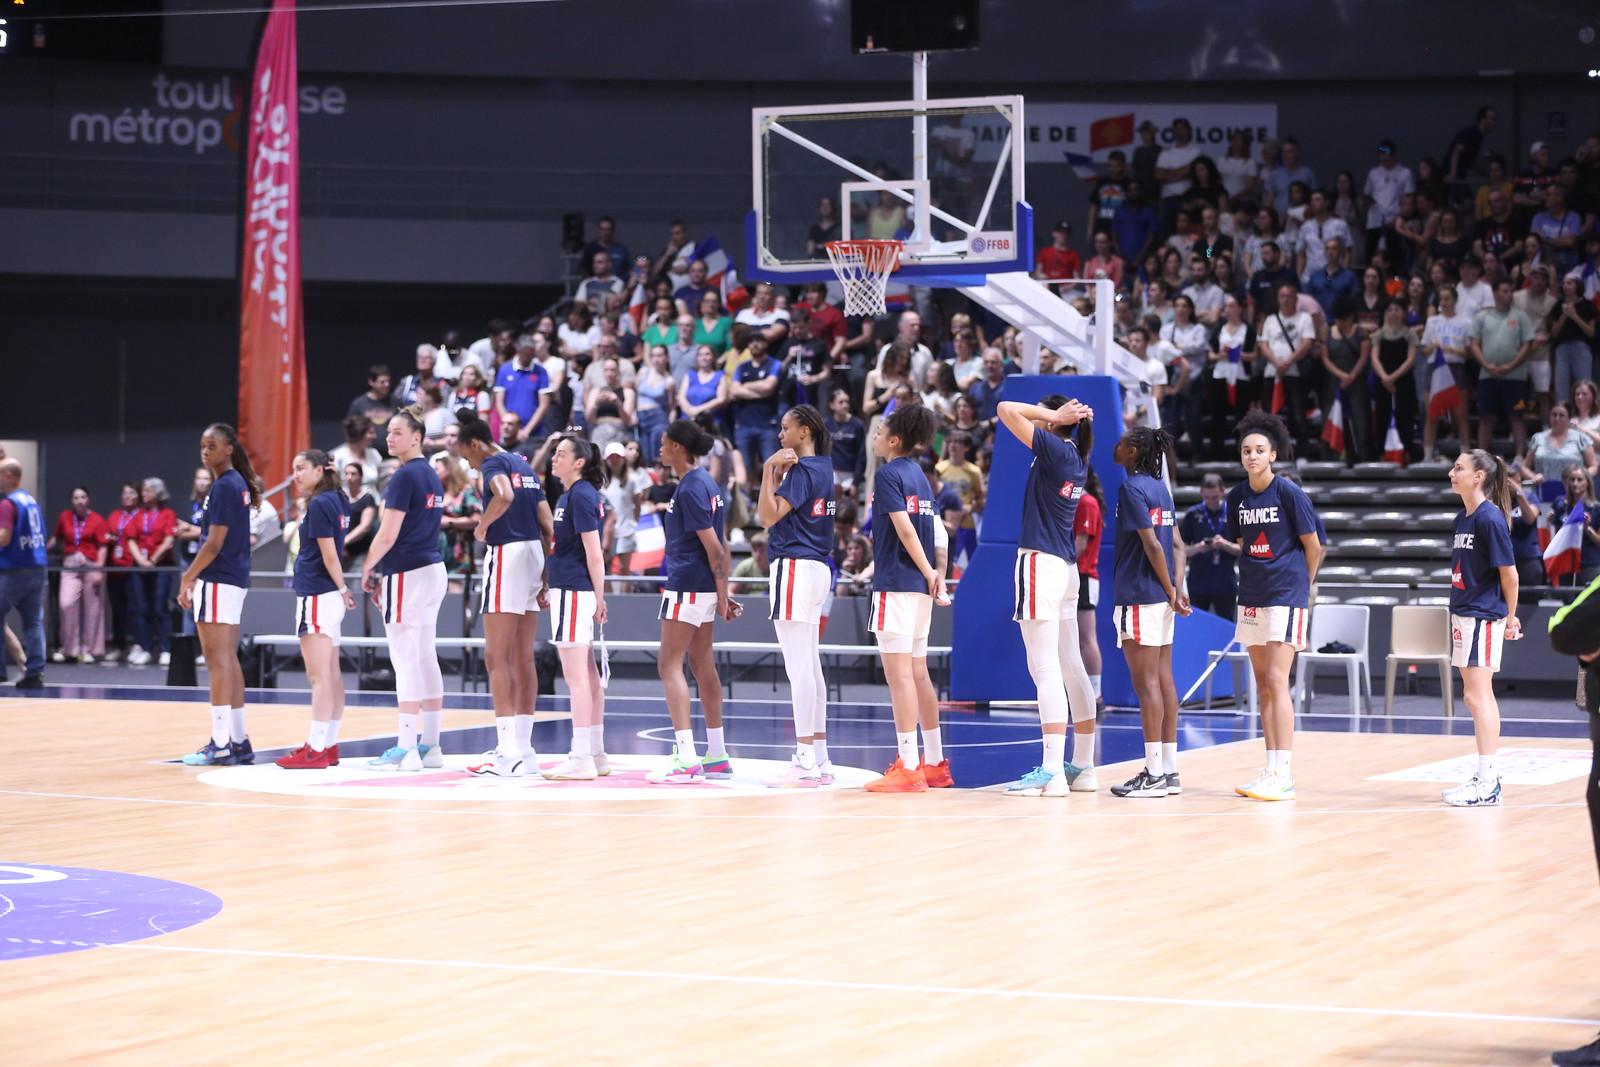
(181,668)
(547,661)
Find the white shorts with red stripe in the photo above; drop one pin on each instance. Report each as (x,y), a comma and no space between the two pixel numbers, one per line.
(572,617)
(694,608)
(1274,625)
(218,602)
(320,614)
(1143,624)
(901,621)
(1046,587)
(412,598)
(1477,642)
(513,577)
(797,589)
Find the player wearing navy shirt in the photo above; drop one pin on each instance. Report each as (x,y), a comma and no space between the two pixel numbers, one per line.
(1483,608)
(696,594)
(1280,548)
(214,587)
(320,600)
(578,603)
(1045,583)
(514,525)
(796,507)
(404,575)
(1146,588)
(906,581)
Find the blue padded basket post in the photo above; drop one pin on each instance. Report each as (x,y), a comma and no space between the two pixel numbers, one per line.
(988,662)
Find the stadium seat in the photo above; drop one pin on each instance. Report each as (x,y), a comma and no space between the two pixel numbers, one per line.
(1399,574)
(1375,470)
(1423,547)
(1346,624)
(1322,471)
(1419,634)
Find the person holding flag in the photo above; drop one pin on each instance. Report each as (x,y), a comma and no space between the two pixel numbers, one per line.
(1444,346)
(1483,608)
(1287,336)
(1394,354)
(1233,358)
(1574,549)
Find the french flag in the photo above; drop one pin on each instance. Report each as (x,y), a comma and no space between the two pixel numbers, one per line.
(720,273)
(1277,394)
(1564,554)
(1333,425)
(1393,450)
(638,307)
(650,544)
(1443,396)
(1231,370)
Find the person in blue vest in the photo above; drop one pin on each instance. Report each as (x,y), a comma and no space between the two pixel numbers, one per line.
(214,588)
(1213,567)
(22,569)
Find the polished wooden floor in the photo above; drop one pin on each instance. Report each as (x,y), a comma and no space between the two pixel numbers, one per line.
(1362,924)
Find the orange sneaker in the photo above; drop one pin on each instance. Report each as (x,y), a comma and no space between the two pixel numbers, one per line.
(937,775)
(898,780)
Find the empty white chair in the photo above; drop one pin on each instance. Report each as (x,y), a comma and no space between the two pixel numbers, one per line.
(1243,678)
(1346,624)
(1419,634)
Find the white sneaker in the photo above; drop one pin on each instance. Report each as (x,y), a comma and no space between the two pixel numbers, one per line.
(113,655)
(602,764)
(574,768)
(795,776)
(85,659)
(138,657)
(825,773)
(1085,781)
(499,766)
(1475,792)
(432,755)
(58,656)
(200,660)
(1244,790)
(1275,786)
(165,659)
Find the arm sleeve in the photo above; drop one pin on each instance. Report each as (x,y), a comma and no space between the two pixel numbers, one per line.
(792,489)
(694,503)
(398,496)
(234,512)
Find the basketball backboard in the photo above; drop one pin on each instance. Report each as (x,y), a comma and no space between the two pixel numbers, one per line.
(944,176)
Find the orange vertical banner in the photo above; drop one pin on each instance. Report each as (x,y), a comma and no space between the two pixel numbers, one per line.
(274,414)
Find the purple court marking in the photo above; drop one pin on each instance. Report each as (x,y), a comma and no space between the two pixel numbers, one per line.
(45,910)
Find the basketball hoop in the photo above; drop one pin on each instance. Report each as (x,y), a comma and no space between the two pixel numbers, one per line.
(863,268)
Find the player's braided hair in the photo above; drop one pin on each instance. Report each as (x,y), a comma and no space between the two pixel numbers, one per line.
(1150,449)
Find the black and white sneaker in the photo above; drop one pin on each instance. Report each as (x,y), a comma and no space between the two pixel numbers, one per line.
(1143,784)
(1174,787)
(1578,1057)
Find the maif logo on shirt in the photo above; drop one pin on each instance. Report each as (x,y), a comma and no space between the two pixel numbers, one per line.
(1261,548)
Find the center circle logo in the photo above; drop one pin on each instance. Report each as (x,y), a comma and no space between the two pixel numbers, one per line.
(47,910)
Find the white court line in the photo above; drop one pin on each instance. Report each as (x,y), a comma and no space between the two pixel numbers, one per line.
(1042,811)
(875,987)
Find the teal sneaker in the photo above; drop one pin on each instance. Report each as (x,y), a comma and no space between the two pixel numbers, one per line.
(397,759)
(1039,783)
(211,754)
(720,767)
(432,755)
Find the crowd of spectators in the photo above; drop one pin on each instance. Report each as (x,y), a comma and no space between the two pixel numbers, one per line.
(1261,278)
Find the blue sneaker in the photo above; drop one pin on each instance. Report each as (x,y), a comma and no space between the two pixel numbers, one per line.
(1039,783)
(211,754)
(241,751)
(397,759)
(432,755)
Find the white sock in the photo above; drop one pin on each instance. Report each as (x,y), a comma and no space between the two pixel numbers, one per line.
(1272,759)
(715,745)
(505,735)
(236,724)
(1169,756)
(1152,759)
(524,733)
(318,738)
(333,731)
(580,741)
(1283,761)
(219,725)
(807,754)
(1486,769)
(932,745)
(597,739)
(430,727)
(684,739)
(907,744)
(1083,750)
(1094,683)
(821,747)
(1055,752)
(406,735)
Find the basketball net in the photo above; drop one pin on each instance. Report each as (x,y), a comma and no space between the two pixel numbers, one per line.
(863,268)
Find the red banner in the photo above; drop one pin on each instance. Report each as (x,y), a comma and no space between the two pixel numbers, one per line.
(274,415)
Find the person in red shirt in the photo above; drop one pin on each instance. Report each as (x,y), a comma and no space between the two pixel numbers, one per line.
(1104,261)
(120,533)
(1088,524)
(154,531)
(81,536)
(827,321)
(1059,260)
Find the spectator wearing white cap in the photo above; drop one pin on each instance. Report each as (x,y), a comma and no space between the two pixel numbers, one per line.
(623,491)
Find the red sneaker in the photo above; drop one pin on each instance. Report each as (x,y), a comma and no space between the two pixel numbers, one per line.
(306,758)
(332,752)
(937,775)
(897,779)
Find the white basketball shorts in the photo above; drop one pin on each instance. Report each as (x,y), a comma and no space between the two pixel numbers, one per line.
(218,602)
(513,576)
(1046,587)
(797,589)
(321,614)
(901,621)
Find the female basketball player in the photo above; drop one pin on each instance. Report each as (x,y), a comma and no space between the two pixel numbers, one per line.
(696,593)
(320,600)
(515,525)
(1275,527)
(796,507)
(1046,583)
(1147,582)
(1483,608)
(1088,526)
(404,574)
(214,587)
(577,575)
(905,584)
